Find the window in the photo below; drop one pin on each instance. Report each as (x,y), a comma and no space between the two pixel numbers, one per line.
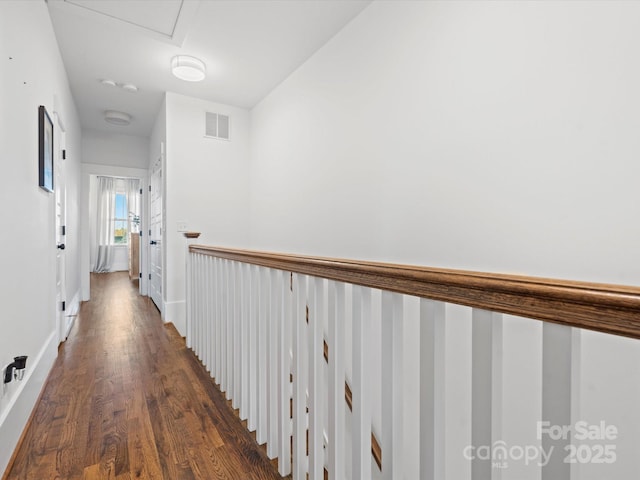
(121,221)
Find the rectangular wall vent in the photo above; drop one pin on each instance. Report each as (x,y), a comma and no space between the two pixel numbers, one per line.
(216,126)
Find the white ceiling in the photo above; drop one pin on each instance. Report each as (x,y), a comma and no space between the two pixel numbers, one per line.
(249,47)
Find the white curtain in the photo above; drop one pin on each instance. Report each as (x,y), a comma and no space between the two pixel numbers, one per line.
(104,229)
(132,189)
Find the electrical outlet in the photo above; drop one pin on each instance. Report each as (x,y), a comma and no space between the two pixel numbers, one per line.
(182,226)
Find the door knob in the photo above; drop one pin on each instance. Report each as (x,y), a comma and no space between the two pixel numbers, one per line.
(153,242)
(61,246)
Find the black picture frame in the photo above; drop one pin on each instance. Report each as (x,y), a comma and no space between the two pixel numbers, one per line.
(45,150)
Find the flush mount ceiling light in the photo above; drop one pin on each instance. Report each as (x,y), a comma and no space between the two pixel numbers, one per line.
(108,82)
(117,118)
(190,69)
(129,87)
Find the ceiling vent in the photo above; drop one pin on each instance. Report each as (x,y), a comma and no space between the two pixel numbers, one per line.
(217,126)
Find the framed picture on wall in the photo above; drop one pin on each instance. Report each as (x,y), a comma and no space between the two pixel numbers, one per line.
(45,150)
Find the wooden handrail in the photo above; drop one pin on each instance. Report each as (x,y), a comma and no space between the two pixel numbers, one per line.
(613,309)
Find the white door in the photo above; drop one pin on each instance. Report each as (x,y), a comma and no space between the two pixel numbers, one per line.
(60,194)
(155,235)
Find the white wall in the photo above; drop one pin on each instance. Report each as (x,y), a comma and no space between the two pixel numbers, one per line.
(206,187)
(119,150)
(495,136)
(491,136)
(32,75)
(158,137)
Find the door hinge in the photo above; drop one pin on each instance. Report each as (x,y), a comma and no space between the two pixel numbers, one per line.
(64,230)
(64,154)
(140,191)
(140,274)
(149,187)
(149,276)
(64,306)
(149,232)
(140,232)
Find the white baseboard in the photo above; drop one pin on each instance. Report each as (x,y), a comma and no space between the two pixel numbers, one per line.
(74,305)
(71,314)
(20,398)
(175,313)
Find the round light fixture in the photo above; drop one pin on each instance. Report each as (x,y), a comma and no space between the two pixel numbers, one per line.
(117,118)
(108,82)
(190,69)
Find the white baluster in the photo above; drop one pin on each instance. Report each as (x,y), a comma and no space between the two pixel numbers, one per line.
(193,297)
(263,316)
(194,308)
(204,306)
(361,383)
(224,385)
(189,299)
(557,341)
(230,331)
(229,327)
(284,359)
(200,294)
(206,313)
(253,348)
(237,322)
(217,321)
(336,429)
(212,316)
(210,305)
(317,307)
(300,378)
(222,325)
(244,339)
(274,308)
(483,420)
(497,385)
(432,390)
(458,394)
(204,302)
(194,300)
(392,385)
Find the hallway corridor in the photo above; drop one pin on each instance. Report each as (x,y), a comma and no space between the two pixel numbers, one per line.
(126,399)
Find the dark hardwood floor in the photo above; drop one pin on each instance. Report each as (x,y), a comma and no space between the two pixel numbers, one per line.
(126,399)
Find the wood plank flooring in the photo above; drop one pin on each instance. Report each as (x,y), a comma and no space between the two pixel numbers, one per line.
(127,400)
